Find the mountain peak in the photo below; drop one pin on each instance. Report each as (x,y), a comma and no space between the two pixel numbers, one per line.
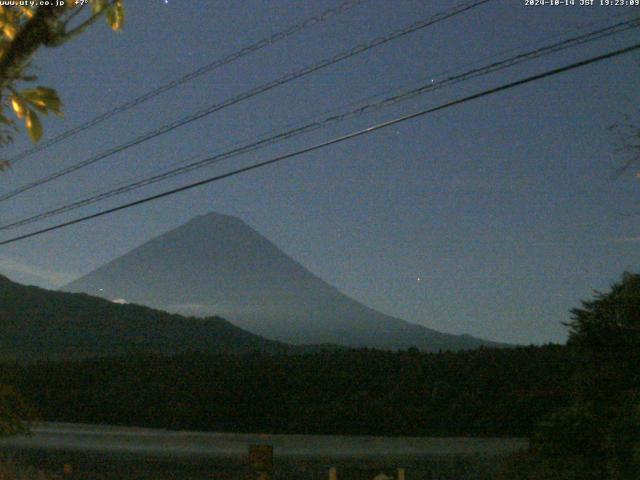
(216,264)
(216,217)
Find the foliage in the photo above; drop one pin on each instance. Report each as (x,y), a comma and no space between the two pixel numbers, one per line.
(15,415)
(606,333)
(628,133)
(575,443)
(623,440)
(23,30)
(473,393)
(609,324)
(598,437)
(10,469)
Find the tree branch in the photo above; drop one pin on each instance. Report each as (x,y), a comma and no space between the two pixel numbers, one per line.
(39,30)
(84,25)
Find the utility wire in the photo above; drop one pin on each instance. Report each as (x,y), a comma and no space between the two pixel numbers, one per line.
(265,42)
(360,101)
(386,102)
(343,138)
(249,94)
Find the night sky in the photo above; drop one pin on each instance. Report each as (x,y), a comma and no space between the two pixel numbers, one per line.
(492,218)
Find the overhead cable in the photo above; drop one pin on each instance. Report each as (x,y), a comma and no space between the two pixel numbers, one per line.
(334,141)
(214,65)
(248,94)
(369,107)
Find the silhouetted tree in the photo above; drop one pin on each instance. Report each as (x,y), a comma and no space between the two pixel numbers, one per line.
(24,29)
(15,415)
(598,437)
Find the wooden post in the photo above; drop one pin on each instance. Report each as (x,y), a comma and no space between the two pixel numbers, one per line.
(333,474)
(400,474)
(67,470)
(261,461)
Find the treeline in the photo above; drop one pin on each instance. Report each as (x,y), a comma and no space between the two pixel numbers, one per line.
(481,392)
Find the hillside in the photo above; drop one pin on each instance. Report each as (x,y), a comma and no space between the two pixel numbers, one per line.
(37,323)
(218,265)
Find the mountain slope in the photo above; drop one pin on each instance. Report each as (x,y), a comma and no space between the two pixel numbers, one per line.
(216,264)
(43,324)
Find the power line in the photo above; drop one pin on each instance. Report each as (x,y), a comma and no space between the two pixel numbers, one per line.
(249,94)
(369,107)
(349,136)
(265,42)
(360,101)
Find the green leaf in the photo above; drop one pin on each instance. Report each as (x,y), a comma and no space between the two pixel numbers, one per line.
(34,127)
(115,15)
(98,6)
(44,99)
(18,106)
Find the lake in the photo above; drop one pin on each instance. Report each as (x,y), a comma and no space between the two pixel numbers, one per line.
(123,452)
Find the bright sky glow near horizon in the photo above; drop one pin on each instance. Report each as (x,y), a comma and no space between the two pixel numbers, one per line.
(491,218)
